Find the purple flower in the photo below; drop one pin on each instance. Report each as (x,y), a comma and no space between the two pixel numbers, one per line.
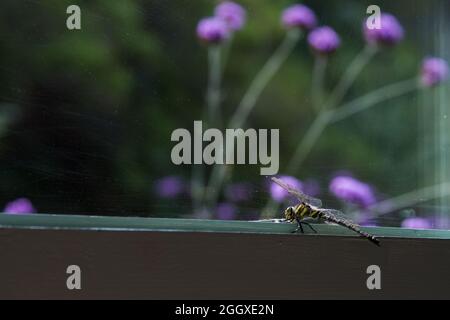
(299,16)
(226,211)
(238,192)
(213,30)
(434,71)
(389,33)
(351,190)
(19,206)
(416,223)
(278,193)
(232,13)
(169,187)
(324,40)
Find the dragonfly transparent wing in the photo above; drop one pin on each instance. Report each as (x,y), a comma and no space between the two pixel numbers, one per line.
(337,214)
(297,193)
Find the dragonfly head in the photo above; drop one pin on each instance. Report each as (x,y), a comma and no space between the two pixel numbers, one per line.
(289,214)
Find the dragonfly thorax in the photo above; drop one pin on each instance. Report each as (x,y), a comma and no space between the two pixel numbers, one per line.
(300,211)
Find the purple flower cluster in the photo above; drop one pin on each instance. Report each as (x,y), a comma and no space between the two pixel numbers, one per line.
(390,31)
(232,13)
(352,190)
(298,16)
(213,30)
(19,206)
(416,223)
(324,40)
(169,187)
(228,18)
(434,71)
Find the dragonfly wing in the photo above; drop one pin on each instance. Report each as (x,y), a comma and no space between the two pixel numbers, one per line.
(297,193)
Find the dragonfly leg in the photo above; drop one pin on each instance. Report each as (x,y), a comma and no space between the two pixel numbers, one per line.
(310,226)
(299,227)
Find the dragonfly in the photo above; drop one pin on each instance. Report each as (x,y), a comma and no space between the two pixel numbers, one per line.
(311,208)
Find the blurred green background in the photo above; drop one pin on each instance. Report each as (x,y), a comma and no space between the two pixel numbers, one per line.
(86,116)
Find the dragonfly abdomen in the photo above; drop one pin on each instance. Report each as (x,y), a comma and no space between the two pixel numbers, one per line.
(350,226)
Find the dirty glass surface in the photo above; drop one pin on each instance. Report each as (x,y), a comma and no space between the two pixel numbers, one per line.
(99,102)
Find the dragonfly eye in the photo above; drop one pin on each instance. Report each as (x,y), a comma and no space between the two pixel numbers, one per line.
(289,213)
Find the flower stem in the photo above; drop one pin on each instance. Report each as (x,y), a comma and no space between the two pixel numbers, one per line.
(327,117)
(324,117)
(331,116)
(309,140)
(247,104)
(375,97)
(197,187)
(320,66)
(213,97)
(302,151)
(263,78)
(226,51)
(215,75)
(350,75)
(410,199)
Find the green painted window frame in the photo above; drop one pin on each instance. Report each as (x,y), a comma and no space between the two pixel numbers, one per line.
(74,222)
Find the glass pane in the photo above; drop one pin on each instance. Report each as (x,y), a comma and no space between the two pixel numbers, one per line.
(95,97)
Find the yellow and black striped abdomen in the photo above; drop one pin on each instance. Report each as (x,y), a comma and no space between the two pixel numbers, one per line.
(315,214)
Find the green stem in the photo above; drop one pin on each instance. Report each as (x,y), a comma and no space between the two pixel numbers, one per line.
(247,104)
(331,116)
(324,117)
(350,75)
(309,140)
(327,117)
(320,66)
(197,187)
(213,97)
(411,198)
(302,151)
(373,98)
(263,78)
(226,51)
(214,82)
